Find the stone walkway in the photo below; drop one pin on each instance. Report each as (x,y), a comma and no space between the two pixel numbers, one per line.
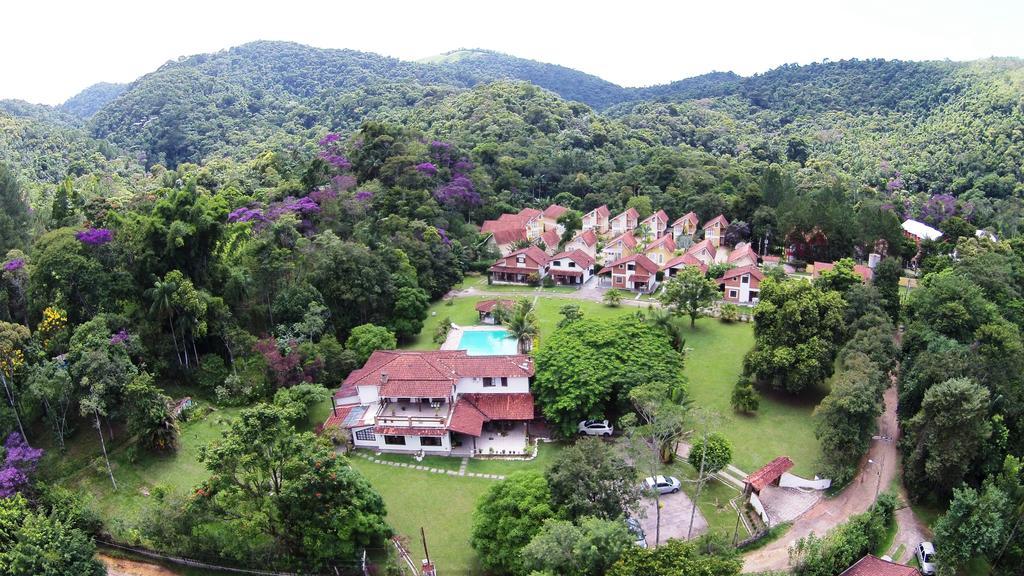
(460,472)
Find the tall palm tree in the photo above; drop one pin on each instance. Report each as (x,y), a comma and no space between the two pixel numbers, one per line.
(162,294)
(523,325)
(664,320)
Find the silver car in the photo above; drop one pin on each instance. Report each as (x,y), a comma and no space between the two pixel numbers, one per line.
(663,484)
(926,558)
(640,539)
(595,428)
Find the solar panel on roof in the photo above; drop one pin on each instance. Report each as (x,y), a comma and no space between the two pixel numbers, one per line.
(353,416)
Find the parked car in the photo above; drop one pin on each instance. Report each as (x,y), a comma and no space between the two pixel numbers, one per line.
(596,428)
(663,484)
(637,531)
(926,558)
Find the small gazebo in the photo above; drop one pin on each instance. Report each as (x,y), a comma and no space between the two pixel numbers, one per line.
(486,309)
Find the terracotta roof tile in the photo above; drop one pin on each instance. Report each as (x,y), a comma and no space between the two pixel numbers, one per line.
(554,211)
(769,473)
(643,264)
(685,260)
(581,258)
(589,238)
(741,251)
(689,217)
(551,238)
(720,219)
(667,241)
(737,272)
(486,306)
(416,389)
(472,410)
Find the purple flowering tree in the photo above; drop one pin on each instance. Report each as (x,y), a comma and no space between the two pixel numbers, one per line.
(938,209)
(458,194)
(95,236)
(895,182)
(20,462)
(331,152)
(14,265)
(427,169)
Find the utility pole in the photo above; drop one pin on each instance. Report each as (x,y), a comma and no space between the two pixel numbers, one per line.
(428,567)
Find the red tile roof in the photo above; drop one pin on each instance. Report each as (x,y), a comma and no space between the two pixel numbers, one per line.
(416,389)
(871,565)
(737,272)
(769,473)
(741,251)
(431,370)
(589,238)
(865,272)
(685,260)
(703,244)
(486,306)
(667,241)
(644,266)
(581,258)
(601,210)
(554,211)
(472,410)
(771,259)
(529,213)
(627,238)
(408,431)
(551,238)
(720,219)
(818,267)
(628,213)
(338,416)
(691,217)
(508,263)
(504,236)
(659,215)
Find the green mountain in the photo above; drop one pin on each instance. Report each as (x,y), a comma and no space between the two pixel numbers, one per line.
(87,102)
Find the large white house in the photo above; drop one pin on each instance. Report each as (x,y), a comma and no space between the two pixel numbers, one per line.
(442,402)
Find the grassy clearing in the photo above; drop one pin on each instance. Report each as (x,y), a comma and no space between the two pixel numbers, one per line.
(548,451)
(440,462)
(441,504)
(783,426)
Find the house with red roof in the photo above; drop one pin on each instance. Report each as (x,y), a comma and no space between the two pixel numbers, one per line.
(872,565)
(485,308)
(597,220)
(704,251)
(624,222)
(442,402)
(685,226)
(768,474)
(619,247)
(551,214)
(654,226)
(635,272)
(742,255)
(673,266)
(714,230)
(661,250)
(550,240)
(741,285)
(865,273)
(521,266)
(528,225)
(572,267)
(586,241)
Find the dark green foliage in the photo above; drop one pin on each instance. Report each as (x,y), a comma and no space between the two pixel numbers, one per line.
(745,399)
(887,281)
(507,517)
(366,338)
(89,101)
(586,549)
(712,455)
(797,326)
(675,557)
(14,219)
(586,369)
(845,544)
(43,544)
(590,479)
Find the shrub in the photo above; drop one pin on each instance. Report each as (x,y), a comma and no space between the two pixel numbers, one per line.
(745,399)
(729,312)
(212,372)
(441,333)
(613,297)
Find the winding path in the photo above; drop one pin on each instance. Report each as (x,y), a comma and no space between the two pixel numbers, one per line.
(877,471)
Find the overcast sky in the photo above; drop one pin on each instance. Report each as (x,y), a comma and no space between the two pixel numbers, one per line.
(50,50)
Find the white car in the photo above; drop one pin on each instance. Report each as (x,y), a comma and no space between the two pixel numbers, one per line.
(663,484)
(926,558)
(595,428)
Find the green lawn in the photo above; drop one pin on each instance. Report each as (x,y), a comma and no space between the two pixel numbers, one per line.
(547,454)
(441,504)
(783,426)
(440,462)
(178,473)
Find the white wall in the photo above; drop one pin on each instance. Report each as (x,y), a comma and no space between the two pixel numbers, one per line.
(412,444)
(367,394)
(476,385)
(759,508)
(790,481)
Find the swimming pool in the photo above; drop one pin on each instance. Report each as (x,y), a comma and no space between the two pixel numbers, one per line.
(488,342)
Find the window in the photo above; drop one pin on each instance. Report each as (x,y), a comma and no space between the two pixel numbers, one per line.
(572,264)
(366,435)
(488,382)
(733,294)
(430,441)
(631,267)
(504,382)
(745,279)
(521,259)
(395,440)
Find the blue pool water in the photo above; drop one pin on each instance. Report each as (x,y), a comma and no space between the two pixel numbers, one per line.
(487,342)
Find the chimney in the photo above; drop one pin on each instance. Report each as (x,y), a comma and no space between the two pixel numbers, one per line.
(383,377)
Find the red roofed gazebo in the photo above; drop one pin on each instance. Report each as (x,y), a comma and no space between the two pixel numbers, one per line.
(768,474)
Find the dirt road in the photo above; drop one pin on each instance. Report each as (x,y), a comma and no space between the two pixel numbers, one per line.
(122,567)
(876,473)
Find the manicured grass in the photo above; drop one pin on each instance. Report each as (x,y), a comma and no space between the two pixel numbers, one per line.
(547,453)
(441,504)
(783,426)
(462,311)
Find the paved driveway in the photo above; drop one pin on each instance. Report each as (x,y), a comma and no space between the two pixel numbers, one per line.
(675,518)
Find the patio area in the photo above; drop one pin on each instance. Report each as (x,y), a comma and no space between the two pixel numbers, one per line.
(497,439)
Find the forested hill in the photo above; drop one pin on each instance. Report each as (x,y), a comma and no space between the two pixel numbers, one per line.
(87,102)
